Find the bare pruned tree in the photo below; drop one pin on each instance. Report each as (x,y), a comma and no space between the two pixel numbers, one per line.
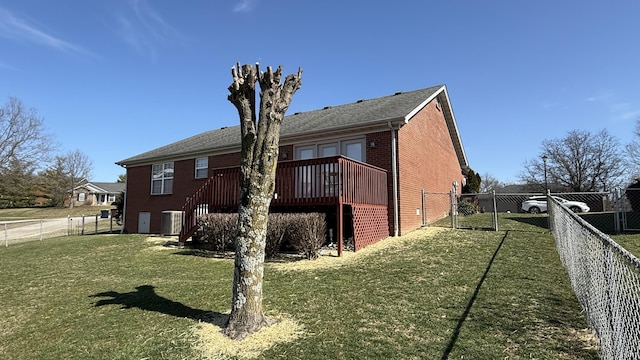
(259,158)
(77,167)
(581,161)
(489,183)
(633,149)
(22,136)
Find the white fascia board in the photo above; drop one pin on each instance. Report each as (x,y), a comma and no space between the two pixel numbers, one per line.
(454,125)
(451,123)
(424,103)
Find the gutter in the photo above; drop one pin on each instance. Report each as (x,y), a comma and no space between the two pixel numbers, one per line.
(394,175)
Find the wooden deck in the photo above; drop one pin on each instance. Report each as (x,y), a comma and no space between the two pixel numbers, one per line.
(315,182)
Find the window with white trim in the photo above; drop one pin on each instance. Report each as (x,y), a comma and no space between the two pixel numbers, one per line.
(162,178)
(202,167)
(353,149)
(82,197)
(330,149)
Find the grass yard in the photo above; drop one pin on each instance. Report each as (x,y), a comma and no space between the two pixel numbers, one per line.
(433,294)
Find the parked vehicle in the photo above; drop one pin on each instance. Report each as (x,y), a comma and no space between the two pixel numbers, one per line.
(538,204)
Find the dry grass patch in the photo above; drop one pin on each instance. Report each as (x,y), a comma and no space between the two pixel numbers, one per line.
(160,243)
(330,260)
(212,344)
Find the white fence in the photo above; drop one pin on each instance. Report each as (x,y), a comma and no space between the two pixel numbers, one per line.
(14,232)
(605,279)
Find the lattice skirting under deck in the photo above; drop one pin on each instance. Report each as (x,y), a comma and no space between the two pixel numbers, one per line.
(370,224)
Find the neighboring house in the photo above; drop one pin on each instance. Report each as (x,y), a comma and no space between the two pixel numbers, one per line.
(95,193)
(366,164)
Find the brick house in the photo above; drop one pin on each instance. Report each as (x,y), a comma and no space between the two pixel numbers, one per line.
(366,165)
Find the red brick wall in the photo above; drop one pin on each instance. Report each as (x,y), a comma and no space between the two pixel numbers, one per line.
(380,156)
(139,198)
(426,160)
(223,161)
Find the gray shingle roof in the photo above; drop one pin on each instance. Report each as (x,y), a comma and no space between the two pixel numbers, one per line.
(110,187)
(361,113)
(103,187)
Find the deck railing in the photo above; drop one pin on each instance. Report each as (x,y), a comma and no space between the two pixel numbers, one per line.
(323,181)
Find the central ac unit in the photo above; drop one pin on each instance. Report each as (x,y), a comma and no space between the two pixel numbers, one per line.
(171,222)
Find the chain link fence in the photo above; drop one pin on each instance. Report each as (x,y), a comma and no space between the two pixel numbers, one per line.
(605,279)
(627,209)
(501,211)
(437,208)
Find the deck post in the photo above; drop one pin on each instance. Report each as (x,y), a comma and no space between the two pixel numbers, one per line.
(340,232)
(339,212)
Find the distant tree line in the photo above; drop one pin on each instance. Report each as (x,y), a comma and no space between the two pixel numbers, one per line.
(580,161)
(31,173)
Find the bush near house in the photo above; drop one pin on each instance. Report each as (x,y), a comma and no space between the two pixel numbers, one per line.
(216,231)
(303,232)
(306,233)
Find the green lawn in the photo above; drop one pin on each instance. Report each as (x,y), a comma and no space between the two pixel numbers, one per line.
(432,294)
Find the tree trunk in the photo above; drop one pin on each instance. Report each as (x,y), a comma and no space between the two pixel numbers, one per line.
(257,183)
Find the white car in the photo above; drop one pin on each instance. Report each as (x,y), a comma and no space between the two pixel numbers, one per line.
(538,204)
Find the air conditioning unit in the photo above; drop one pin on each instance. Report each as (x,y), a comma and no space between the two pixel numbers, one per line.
(171,222)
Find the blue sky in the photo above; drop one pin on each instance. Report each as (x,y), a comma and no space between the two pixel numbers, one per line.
(120,77)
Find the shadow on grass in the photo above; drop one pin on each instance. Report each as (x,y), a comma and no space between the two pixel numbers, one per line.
(465,314)
(604,221)
(537,221)
(281,257)
(145,298)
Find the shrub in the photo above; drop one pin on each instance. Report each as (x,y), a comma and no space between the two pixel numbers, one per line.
(307,233)
(303,232)
(276,232)
(467,208)
(217,231)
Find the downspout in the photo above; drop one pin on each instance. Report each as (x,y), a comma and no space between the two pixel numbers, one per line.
(394,176)
(124,201)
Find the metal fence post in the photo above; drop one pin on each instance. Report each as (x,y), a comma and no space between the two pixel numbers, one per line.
(96,227)
(617,205)
(453,215)
(454,208)
(495,210)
